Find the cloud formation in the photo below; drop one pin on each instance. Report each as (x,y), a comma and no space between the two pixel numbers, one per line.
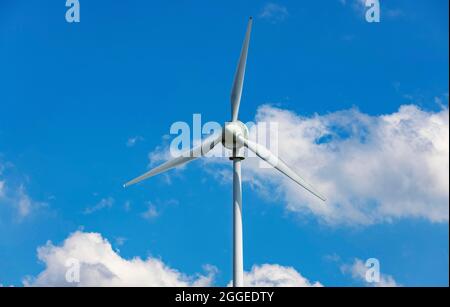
(274,13)
(360,8)
(151,212)
(132,141)
(274,275)
(104,203)
(100,265)
(358,272)
(14,196)
(372,168)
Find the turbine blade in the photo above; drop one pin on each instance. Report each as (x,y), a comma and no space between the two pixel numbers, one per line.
(238,83)
(277,163)
(188,156)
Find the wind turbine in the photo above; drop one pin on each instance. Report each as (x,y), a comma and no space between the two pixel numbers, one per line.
(234,136)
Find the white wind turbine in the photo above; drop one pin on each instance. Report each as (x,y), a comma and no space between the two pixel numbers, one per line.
(234,136)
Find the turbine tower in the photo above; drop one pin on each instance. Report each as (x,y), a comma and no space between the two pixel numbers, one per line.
(234,136)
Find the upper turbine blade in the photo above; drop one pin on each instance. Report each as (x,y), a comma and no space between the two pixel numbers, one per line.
(277,163)
(192,154)
(236,92)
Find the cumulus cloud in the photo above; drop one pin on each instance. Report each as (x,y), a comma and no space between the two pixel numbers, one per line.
(100,265)
(274,12)
(358,271)
(274,275)
(372,168)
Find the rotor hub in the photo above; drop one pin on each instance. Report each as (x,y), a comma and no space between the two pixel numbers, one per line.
(231,132)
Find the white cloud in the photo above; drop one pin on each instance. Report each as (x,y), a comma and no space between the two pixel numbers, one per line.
(104,203)
(274,12)
(156,208)
(132,141)
(14,196)
(161,154)
(150,213)
(18,199)
(24,202)
(372,168)
(100,265)
(274,275)
(358,272)
(360,8)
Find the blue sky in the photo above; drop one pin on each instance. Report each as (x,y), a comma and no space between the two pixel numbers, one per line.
(72,95)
